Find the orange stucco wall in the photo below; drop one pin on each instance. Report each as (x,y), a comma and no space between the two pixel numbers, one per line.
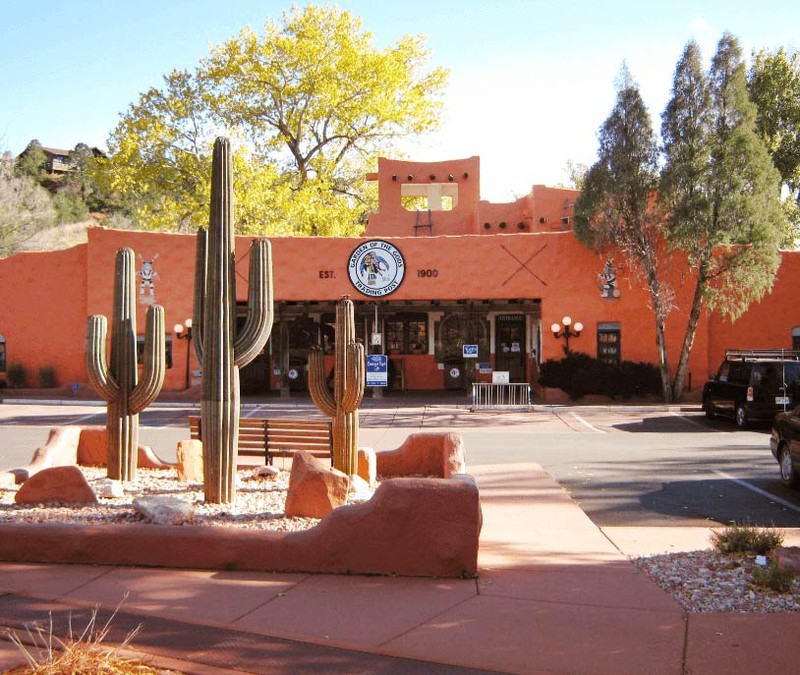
(42,312)
(59,290)
(767,324)
(460,262)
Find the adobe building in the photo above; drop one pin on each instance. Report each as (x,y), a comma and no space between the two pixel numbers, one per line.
(451,287)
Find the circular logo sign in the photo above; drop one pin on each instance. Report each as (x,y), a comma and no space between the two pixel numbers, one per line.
(376,268)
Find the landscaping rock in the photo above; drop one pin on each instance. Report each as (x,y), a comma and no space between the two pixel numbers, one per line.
(190,461)
(787,558)
(315,489)
(360,490)
(110,488)
(164,510)
(367,465)
(64,484)
(265,473)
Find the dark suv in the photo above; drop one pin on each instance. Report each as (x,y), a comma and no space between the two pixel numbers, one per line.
(753,385)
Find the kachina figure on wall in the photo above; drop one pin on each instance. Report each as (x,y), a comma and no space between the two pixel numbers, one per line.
(608,281)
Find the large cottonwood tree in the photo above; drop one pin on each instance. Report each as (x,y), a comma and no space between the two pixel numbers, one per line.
(309,104)
(720,189)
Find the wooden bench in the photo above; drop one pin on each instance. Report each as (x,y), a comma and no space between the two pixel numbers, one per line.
(270,438)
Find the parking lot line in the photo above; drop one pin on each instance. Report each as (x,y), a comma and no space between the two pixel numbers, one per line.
(585,423)
(763,493)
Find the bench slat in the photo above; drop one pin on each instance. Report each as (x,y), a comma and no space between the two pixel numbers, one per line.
(268,438)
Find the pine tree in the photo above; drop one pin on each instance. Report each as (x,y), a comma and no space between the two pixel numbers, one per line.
(720,188)
(615,211)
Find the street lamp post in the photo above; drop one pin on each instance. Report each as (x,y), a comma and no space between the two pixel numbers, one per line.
(183,331)
(566,332)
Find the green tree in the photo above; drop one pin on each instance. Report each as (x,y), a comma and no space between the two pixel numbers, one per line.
(31,161)
(615,212)
(25,208)
(774,85)
(308,105)
(720,189)
(81,181)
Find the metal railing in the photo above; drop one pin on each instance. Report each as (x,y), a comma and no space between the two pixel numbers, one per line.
(514,396)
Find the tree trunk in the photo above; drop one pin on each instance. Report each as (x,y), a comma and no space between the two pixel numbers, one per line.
(691,331)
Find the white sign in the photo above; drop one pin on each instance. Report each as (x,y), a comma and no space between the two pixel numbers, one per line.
(500,377)
(376,268)
(375,339)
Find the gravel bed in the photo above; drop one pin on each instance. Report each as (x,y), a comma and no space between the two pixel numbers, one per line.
(258,505)
(708,581)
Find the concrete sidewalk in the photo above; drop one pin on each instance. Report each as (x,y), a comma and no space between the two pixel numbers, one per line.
(555,595)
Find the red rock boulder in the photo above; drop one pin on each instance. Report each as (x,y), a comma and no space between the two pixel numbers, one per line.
(65,484)
(315,489)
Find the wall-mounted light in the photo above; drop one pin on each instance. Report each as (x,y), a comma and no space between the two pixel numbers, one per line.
(410,176)
(520,225)
(450,177)
(432,176)
(394,176)
(466,175)
(542,220)
(502,225)
(566,333)
(486,226)
(183,331)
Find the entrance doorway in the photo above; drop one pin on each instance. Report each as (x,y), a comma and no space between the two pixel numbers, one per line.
(509,340)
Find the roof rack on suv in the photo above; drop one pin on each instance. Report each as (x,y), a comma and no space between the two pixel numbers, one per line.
(744,354)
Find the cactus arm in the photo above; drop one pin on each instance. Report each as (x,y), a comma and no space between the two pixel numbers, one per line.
(145,392)
(96,361)
(258,326)
(318,388)
(354,391)
(200,283)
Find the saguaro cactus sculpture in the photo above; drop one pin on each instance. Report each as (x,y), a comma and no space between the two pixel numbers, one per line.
(116,381)
(222,348)
(341,404)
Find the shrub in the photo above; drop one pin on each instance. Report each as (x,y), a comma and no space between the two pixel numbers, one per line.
(17,376)
(745,539)
(579,374)
(47,377)
(773,577)
(70,208)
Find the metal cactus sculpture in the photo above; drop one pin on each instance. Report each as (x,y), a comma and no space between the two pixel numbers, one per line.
(116,380)
(341,404)
(221,347)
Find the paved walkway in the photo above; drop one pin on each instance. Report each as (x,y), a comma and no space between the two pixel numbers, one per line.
(555,594)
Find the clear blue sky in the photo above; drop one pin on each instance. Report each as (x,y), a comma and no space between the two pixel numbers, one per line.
(531,81)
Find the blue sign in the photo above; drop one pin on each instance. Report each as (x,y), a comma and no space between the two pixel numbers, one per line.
(377,370)
(470,351)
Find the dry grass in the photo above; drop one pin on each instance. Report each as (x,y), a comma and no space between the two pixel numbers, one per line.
(80,652)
